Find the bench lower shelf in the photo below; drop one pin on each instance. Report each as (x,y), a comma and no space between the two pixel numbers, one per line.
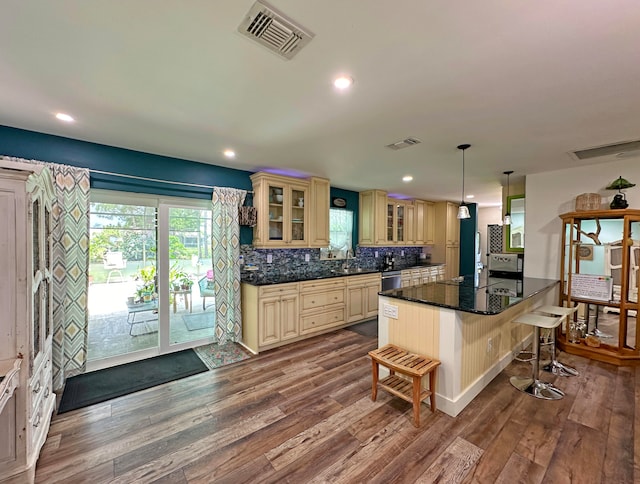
(402,388)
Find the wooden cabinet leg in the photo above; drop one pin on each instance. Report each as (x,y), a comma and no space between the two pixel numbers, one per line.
(374,380)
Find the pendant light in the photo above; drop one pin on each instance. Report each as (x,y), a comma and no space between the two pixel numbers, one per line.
(463,211)
(507,215)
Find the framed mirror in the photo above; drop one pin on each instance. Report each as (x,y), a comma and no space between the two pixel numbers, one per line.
(515,231)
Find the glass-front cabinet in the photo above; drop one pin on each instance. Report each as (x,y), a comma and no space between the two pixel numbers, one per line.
(285,223)
(396,221)
(599,271)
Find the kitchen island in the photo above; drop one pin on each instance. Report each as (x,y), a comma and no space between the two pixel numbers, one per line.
(466,324)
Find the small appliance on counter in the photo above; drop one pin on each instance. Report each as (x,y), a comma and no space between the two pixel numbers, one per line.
(506,265)
(389,262)
(505,274)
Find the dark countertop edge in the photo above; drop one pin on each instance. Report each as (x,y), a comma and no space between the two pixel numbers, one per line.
(330,275)
(552,282)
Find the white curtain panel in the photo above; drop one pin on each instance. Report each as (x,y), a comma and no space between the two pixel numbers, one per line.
(225,243)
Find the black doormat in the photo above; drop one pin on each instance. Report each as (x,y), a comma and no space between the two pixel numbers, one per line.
(368,328)
(98,386)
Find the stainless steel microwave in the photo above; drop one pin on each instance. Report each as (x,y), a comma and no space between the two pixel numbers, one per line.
(506,263)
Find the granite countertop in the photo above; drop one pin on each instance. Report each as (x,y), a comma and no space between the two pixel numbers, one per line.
(257,278)
(486,296)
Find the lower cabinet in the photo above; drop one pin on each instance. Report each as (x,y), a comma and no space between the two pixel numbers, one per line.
(362,297)
(422,275)
(278,314)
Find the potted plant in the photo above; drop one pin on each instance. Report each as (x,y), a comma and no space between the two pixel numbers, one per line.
(146,277)
(186,283)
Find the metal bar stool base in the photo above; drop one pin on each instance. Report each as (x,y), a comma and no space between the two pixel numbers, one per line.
(560,369)
(536,388)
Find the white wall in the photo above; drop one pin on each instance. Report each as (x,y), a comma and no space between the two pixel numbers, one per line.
(553,193)
(487,216)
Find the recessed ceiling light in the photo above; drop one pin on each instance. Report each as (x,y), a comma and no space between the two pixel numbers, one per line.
(229,153)
(65,117)
(343,82)
(471,196)
(407,178)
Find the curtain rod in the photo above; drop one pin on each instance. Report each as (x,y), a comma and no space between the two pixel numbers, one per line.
(155,180)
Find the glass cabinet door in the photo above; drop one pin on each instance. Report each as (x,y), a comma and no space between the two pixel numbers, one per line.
(37,275)
(276,212)
(298,198)
(400,222)
(390,220)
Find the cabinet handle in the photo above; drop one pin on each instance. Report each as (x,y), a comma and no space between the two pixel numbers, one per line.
(37,422)
(37,388)
(46,393)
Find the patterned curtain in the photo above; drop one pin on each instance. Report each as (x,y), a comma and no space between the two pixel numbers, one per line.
(225,241)
(70,260)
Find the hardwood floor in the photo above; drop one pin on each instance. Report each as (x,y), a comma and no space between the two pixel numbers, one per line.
(303,414)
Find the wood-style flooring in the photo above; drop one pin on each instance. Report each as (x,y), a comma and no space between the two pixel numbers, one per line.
(303,414)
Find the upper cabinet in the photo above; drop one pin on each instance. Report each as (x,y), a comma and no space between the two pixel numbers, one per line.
(388,221)
(287,211)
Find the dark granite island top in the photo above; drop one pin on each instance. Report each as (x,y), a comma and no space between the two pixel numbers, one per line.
(489,296)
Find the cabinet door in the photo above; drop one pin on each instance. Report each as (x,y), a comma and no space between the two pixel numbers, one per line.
(453,225)
(289,317)
(296,203)
(355,303)
(452,267)
(371,299)
(319,209)
(278,196)
(419,222)
(390,222)
(429,223)
(410,227)
(269,321)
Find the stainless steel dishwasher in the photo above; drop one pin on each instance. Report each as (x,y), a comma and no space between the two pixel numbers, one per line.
(391,280)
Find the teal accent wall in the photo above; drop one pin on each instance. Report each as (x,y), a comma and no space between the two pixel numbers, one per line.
(468,230)
(57,149)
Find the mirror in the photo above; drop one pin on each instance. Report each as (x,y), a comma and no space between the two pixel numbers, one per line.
(515,231)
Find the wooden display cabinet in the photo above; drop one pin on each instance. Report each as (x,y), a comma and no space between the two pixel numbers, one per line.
(599,274)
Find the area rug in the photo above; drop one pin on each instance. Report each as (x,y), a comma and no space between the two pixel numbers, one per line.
(368,328)
(199,320)
(215,355)
(98,386)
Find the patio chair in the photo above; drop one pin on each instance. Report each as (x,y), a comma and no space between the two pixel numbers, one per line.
(114,262)
(206,288)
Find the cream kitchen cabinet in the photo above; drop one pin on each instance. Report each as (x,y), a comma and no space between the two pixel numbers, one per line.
(373,225)
(270,315)
(446,246)
(362,297)
(424,222)
(319,212)
(283,211)
(322,304)
(26,197)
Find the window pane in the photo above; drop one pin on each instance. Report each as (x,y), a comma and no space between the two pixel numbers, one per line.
(340,229)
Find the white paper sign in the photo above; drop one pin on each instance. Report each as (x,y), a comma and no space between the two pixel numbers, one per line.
(594,287)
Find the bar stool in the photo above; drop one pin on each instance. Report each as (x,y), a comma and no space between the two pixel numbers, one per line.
(554,366)
(532,385)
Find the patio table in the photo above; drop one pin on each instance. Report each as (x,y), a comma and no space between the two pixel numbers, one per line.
(135,308)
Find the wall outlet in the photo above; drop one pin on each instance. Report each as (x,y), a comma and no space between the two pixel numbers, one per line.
(269,258)
(376,254)
(307,257)
(402,253)
(390,311)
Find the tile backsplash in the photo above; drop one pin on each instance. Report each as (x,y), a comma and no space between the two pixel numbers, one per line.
(285,262)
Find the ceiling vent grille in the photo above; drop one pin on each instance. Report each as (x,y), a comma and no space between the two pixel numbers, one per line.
(405,143)
(274,31)
(617,150)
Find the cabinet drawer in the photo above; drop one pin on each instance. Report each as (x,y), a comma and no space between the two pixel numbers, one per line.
(312,301)
(322,285)
(39,385)
(362,280)
(11,373)
(278,289)
(321,320)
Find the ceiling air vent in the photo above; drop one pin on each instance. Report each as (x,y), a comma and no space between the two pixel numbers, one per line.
(617,150)
(405,143)
(274,31)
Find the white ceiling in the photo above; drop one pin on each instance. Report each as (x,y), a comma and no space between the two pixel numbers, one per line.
(523,82)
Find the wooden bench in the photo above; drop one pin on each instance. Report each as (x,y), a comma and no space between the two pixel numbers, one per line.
(415,366)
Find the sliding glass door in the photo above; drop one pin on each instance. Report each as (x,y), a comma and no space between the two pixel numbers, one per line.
(150,277)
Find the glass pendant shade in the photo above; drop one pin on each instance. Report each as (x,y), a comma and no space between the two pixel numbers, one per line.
(463,212)
(507,219)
